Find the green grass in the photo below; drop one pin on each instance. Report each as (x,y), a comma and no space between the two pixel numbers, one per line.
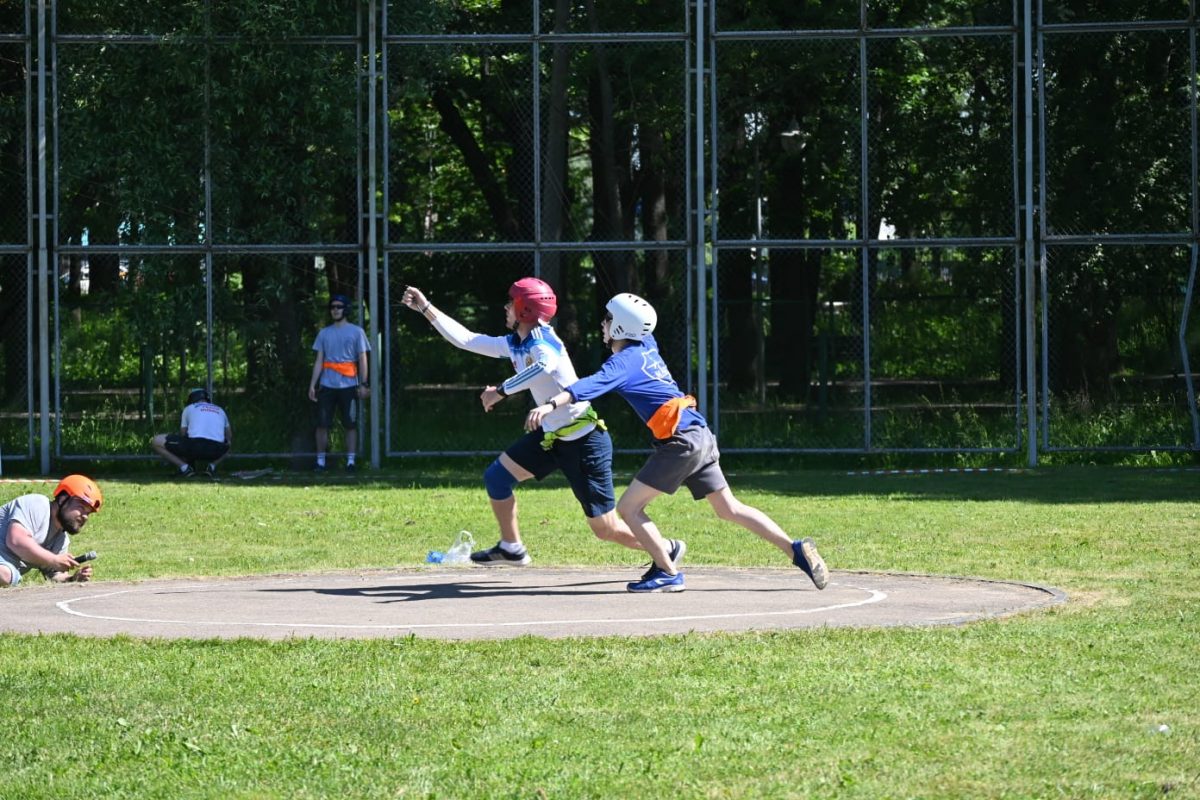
(1059,703)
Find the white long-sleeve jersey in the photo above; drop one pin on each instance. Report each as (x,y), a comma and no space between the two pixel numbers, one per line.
(541,363)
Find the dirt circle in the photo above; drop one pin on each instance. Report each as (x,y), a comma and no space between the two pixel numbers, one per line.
(475,603)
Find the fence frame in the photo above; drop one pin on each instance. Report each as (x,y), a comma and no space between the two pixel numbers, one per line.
(702,243)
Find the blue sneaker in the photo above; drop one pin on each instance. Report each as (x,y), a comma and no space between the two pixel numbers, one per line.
(658,581)
(677,550)
(806,557)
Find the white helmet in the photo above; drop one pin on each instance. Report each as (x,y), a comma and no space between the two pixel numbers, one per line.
(632,317)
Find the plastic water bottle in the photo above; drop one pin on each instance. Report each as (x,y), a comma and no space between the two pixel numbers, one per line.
(435,557)
(460,550)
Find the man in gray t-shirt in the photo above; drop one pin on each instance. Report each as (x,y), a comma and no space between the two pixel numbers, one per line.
(35,531)
(339,379)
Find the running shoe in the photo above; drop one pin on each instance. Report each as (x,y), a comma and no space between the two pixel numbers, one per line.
(806,557)
(678,547)
(658,581)
(498,556)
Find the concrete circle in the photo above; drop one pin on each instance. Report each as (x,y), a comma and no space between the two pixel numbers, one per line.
(499,603)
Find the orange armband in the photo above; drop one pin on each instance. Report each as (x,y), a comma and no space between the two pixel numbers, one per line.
(665,421)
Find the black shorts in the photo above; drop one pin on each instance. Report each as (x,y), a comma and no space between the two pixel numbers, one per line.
(344,402)
(195,449)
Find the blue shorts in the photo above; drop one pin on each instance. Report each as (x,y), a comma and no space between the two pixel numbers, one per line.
(586,462)
(16,573)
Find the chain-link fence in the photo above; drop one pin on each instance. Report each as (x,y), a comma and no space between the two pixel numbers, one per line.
(867,227)
(17,312)
(1119,232)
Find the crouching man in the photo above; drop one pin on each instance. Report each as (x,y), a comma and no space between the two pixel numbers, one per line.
(35,531)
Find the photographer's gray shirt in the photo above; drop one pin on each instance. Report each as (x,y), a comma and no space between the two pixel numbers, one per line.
(32,512)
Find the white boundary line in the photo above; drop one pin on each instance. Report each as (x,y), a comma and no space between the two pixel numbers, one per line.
(876,596)
(934,471)
(868,473)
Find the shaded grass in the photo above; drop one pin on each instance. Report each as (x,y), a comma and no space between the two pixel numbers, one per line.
(1061,702)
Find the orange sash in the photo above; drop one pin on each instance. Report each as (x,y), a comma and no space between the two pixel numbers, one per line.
(347,368)
(665,421)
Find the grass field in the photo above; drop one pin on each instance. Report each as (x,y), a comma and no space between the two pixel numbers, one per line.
(1068,702)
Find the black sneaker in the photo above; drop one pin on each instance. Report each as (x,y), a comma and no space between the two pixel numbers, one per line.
(498,556)
(211,471)
(806,557)
(678,547)
(351,468)
(188,473)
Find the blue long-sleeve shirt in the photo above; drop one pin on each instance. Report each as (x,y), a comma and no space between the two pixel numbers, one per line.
(639,375)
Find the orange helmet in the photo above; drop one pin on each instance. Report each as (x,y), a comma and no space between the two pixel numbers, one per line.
(83,487)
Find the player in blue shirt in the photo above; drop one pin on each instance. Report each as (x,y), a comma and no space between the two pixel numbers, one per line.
(339,379)
(685,450)
(569,437)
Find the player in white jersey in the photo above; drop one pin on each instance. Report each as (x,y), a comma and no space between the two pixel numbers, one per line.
(204,435)
(571,438)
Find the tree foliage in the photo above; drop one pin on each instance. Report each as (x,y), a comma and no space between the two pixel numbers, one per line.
(208,123)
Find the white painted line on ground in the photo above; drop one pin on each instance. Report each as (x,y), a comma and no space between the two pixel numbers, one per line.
(936,471)
(875,596)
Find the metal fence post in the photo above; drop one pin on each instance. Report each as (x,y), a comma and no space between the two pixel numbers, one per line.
(864,234)
(372,234)
(43,253)
(1031,454)
(701,261)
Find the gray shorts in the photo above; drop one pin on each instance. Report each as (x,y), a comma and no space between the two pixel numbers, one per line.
(689,458)
(16,573)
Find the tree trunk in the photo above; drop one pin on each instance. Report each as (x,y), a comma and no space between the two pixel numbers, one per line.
(454,126)
(740,361)
(652,196)
(554,165)
(615,271)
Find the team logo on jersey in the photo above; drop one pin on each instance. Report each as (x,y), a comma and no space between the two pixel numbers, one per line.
(528,360)
(654,368)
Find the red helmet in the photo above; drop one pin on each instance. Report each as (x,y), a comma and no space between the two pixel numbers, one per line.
(83,487)
(533,300)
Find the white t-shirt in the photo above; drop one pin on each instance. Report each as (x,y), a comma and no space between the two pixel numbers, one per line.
(204,421)
(540,359)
